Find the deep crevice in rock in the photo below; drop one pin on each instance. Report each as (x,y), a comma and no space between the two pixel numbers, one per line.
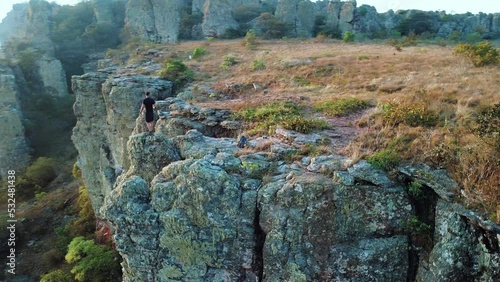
(421,241)
(260,238)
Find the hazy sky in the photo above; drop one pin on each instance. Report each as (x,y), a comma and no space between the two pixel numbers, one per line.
(450,6)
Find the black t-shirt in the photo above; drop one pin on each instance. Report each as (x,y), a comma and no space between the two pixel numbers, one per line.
(148,104)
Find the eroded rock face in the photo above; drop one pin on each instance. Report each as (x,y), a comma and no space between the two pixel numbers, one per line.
(318,230)
(156,20)
(298,15)
(107,109)
(217,17)
(14,150)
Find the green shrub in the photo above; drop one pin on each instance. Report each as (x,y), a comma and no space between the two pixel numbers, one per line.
(341,107)
(76,171)
(415,189)
(176,71)
(479,54)
(228,61)
(384,159)
(415,226)
(271,27)
(300,81)
(57,276)
(487,125)
(41,172)
(198,52)
(250,40)
(246,12)
(258,64)
(85,222)
(416,114)
(474,37)
(91,262)
(348,37)
(40,195)
(304,125)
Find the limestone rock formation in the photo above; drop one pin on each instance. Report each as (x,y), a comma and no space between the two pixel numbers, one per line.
(14,150)
(297,14)
(217,17)
(106,111)
(52,76)
(157,20)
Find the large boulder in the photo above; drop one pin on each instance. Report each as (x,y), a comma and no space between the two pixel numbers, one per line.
(297,14)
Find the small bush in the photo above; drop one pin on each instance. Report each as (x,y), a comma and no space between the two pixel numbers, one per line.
(76,171)
(258,64)
(198,52)
(487,125)
(415,226)
(92,262)
(415,189)
(384,159)
(348,37)
(85,222)
(229,60)
(271,27)
(480,54)
(303,125)
(41,172)
(416,114)
(250,40)
(176,71)
(57,276)
(341,107)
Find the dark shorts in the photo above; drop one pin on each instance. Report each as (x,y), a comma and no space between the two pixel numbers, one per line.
(150,116)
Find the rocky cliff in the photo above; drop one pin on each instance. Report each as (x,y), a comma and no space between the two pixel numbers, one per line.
(186,203)
(157,20)
(14,150)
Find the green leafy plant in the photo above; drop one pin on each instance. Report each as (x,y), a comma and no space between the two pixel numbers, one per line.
(416,114)
(270,26)
(250,40)
(348,37)
(91,262)
(176,71)
(198,52)
(57,276)
(340,107)
(487,125)
(415,226)
(258,64)
(228,61)
(416,189)
(479,54)
(85,222)
(385,159)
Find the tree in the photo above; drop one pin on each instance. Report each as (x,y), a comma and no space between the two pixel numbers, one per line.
(271,27)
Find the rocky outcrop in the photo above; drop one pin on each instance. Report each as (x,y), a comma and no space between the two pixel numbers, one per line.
(106,111)
(14,150)
(186,203)
(156,20)
(297,14)
(52,75)
(217,17)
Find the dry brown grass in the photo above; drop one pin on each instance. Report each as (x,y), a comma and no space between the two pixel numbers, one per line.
(307,71)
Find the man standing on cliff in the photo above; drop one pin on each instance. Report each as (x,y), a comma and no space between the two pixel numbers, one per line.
(149,105)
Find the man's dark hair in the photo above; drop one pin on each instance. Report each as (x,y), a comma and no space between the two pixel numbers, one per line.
(147,93)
